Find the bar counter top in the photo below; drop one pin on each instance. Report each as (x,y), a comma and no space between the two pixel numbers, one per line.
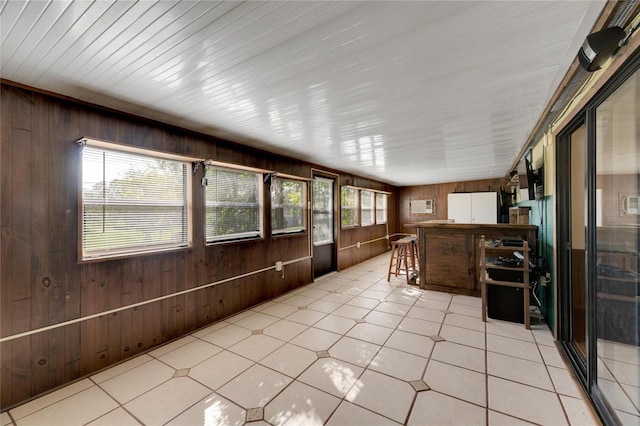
(449,252)
(443,224)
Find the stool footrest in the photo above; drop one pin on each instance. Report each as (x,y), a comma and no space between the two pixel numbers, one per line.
(404,258)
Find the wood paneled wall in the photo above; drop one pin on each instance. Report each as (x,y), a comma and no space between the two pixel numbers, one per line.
(439,193)
(42,283)
(371,238)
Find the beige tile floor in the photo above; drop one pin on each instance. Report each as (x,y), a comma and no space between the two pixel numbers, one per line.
(349,349)
(619,379)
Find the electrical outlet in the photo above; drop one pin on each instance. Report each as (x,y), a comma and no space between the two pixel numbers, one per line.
(278,266)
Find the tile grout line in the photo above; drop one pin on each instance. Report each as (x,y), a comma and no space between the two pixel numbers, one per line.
(364,369)
(377,352)
(553,385)
(117,402)
(295,379)
(415,395)
(426,366)
(197,381)
(393,289)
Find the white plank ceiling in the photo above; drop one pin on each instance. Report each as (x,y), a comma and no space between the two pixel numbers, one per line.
(404,92)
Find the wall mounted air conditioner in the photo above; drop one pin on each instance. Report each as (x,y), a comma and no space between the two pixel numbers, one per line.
(422,206)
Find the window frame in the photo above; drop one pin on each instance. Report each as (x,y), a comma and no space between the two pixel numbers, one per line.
(303,207)
(383,196)
(371,217)
(85,255)
(355,207)
(259,202)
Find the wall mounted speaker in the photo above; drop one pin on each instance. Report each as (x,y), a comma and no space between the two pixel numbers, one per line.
(600,46)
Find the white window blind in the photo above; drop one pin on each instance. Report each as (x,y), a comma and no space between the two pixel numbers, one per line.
(366,208)
(233,204)
(381,208)
(348,207)
(287,206)
(132,203)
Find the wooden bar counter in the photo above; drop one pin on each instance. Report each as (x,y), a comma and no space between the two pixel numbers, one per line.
(449,252)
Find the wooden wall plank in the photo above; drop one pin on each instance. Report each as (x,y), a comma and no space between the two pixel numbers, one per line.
(57,287)
(20,359)
(72,353)
(22,110)
(21,237)
(54,356)
(39,357)
(6,216)
(6,210)
(439,192)
(40,259)
(131,293)
(152,314)
(41,282)
(115,336)
(21,241)
(6,398)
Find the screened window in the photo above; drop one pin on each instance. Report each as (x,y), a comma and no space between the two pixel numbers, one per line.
(322,211)
(287,206)
(233,208)
(366,208)
(132,202)
(349,206)
(381,208)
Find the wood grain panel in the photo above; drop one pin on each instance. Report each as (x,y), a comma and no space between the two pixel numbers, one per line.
(6,222)
(19,262)
(44,284)
(454,268)
(366,235)
(20,364)
(439,193)
(40,380)
(41,282)
(6,214)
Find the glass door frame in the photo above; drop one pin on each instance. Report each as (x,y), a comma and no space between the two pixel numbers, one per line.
(564,245)
(322,174)
(586,374)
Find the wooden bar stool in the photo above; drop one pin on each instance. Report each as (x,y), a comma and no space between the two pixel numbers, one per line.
(402,260)
(414,252)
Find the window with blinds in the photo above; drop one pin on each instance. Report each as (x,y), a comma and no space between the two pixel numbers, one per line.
(287,206)
(381,208)
(348,207)
(233,208)
(366,208)
(132,203)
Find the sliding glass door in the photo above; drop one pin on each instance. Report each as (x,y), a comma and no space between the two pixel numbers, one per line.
(573,183)
(598,240)
(617,276)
